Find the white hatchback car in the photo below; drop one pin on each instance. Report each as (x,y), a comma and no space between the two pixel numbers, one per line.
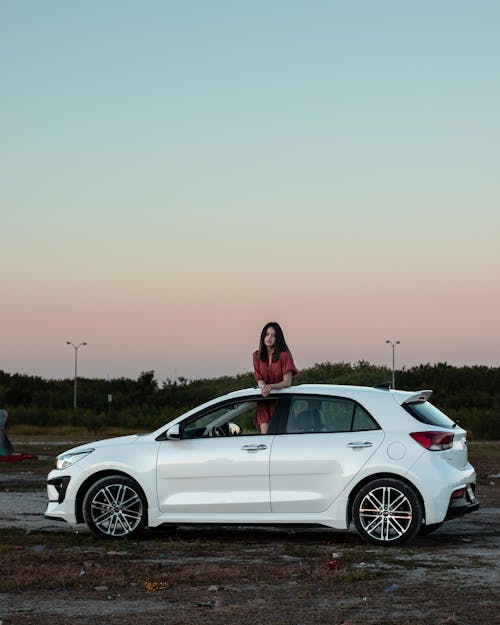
(387,460)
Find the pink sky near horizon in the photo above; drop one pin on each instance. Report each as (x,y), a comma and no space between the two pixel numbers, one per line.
(202,333)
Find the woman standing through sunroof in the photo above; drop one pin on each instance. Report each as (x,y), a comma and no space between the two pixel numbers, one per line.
(273,369)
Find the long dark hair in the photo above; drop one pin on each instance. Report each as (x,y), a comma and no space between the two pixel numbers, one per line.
(280,345)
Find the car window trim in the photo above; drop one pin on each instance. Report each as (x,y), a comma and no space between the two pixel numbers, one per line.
(214,407)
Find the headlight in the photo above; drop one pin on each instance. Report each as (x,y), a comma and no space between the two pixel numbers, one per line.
(66,460)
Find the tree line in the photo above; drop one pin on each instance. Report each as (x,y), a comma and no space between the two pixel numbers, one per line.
(470,395)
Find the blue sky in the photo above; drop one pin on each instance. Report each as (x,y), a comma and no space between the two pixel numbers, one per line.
(174,175)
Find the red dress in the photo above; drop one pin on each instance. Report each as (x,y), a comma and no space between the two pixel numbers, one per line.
(271,374)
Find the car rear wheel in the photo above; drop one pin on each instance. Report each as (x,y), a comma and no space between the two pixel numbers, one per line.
(115,507)
(387,512)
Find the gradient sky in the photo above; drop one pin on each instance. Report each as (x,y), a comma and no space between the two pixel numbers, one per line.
(176,174)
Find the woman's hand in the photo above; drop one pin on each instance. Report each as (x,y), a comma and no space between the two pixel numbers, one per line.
(265,390)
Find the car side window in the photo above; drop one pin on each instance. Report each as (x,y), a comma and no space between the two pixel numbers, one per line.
(363,420)
(235,419)
(327,414)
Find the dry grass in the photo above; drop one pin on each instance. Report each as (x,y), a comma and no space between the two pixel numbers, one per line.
(42,566)
(234,578)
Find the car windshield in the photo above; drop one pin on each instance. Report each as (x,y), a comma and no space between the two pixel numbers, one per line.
(425,412)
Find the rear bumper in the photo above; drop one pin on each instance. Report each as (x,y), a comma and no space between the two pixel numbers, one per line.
(462,502)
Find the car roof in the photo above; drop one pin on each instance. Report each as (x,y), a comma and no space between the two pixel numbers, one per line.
(341,390)
(368,394)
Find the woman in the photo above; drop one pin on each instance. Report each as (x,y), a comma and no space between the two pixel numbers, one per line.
(273,369)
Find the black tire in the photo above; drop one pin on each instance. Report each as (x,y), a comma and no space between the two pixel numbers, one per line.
(425,530)
(115,507)
(387,512)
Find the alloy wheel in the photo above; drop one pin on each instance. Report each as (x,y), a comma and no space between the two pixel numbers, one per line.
(387,511)
(114,508)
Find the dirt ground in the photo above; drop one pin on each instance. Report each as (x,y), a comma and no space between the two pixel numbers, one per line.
(58,574)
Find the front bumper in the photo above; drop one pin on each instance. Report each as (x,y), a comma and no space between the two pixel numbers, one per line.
(56,488)
(61,497)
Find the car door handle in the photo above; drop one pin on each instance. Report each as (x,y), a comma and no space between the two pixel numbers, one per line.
(360,444)
(254,447)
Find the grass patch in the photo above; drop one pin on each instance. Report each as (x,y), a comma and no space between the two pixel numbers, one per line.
(485,456)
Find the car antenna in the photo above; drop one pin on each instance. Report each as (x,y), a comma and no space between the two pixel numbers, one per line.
(384,386)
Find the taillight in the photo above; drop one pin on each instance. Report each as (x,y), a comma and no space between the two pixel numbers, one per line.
(433,441)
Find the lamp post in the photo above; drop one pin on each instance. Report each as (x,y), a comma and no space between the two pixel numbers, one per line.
(75,347)
(393,344)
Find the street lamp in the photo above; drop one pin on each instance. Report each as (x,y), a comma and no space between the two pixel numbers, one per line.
(393,343)
(76,347)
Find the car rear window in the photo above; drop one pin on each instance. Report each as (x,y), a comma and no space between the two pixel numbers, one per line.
(425,412)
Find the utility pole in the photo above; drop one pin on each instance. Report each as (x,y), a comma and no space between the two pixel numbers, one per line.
(393,344)
(75,347)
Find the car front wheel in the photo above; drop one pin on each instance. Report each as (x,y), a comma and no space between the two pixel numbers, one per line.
(115,507)
(387,512)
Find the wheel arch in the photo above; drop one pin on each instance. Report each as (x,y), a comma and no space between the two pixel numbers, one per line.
(378,476)
(91,480)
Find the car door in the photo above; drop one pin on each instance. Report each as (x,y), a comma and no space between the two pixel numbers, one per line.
(325,444)
(211,471)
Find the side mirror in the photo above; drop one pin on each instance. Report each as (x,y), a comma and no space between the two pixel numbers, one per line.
(174,433)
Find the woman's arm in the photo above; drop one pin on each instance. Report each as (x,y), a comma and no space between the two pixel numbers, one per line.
(285,383)
(259,377)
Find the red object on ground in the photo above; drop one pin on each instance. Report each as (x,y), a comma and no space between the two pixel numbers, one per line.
(18,457)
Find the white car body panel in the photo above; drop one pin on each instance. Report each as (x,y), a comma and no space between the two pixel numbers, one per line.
(222,475)
(309,471)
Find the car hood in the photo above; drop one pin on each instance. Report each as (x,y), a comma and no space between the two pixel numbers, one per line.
(106,442)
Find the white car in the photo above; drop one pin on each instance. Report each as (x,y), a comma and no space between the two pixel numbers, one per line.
(386,460)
